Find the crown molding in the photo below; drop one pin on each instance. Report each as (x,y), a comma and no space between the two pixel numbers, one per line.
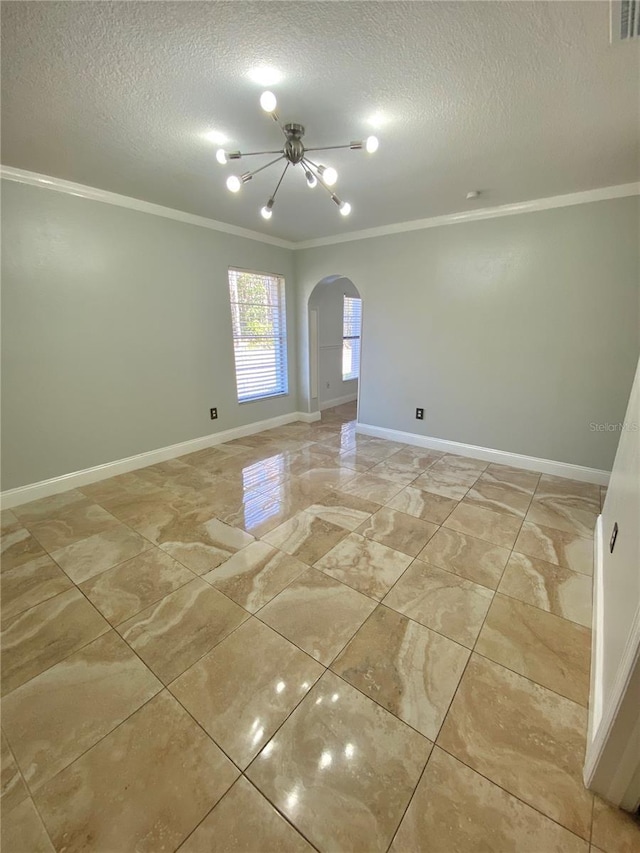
(601,194)
(33,179)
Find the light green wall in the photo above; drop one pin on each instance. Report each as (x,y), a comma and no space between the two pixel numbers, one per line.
(116,332)
(513,333)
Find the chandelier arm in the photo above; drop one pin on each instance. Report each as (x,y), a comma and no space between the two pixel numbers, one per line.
(253,153)
(266,166)
(273,196)
(328,147)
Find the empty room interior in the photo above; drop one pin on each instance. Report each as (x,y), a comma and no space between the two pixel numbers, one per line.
(320,434)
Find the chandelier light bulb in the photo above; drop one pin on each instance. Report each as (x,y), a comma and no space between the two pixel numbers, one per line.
(345,208)
(267,210)
(221,156)
(329,176)
(233,183)
(312,181)
(372,144)
(268,102)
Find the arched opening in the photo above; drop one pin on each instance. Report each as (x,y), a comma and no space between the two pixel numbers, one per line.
(335,345)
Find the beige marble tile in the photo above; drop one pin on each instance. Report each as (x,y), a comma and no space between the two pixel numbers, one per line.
(18,547)
(563,513)
(556,546)
(403,666)
(55,717)
(471,558)
(12,788)
(424,505)
(340,508)
(524,480)
(253,576)
(583,493)
(260,512)
(241,697)
(163,511)
(396,471)
(455,810)
(372,488)
(547,649)
(324,478)
(46,634)
(133,504)
(419,457)
(122,484)
(499,497)
(614,830)
(445,482)
(245,822)
(365,565)
(318,614)
(202,545)
(524,738)
(8,520)
(51,507)
(398,530)
(357,460)
(548,587)
(121,592)
(89,557)
(78,522)
(22,831)
(447,603)
(30,584)
(144,787)
(175,632)
(305,537)
(341,768)
(463,465)
(484,524)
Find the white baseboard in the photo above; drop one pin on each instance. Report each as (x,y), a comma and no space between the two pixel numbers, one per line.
(338,401)
(45,488)
(309,417)
(488,454)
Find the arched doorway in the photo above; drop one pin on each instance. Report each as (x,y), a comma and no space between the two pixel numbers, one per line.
(335,343)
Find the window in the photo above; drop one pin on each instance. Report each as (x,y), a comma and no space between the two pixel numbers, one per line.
(351,328)
(259,334)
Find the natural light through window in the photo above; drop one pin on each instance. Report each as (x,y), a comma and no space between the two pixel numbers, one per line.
(351,329)
(259,334)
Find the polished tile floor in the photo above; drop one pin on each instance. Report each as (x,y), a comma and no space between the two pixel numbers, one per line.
(302,639)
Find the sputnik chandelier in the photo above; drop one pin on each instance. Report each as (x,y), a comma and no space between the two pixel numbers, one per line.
(295,153)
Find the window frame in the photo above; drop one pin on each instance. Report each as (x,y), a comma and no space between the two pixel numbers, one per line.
(351,378)
(280,339)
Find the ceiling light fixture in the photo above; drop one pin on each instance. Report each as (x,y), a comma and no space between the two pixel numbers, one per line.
(265,75)
(294,153)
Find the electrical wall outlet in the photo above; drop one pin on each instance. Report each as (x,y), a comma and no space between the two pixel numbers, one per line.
(214,414)
(419,414)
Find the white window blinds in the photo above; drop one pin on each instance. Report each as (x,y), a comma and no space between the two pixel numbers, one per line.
(351,329)
(259,334)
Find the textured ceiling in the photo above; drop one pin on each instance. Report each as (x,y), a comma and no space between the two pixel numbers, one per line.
(520,100)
